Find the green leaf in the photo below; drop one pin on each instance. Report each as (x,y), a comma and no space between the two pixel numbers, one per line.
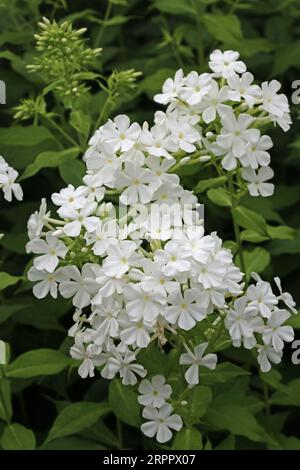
(24,136)
(123,402)
(175,7)
(37,362)
(207,445)
(6,311)
(73,443)
(17,437)
(224,28)
(72,174)
(15,242)
(152,83)
(188,439)
(7,280)
(5,400)
(209,183)
(116,20)
(227,444)
(251,46)
(227,29)
(281,247)
(236,419)
(156,361)
(4,352)
(222,373)
(200,399)
(285,195)
(219,196)
(286,56)
(86,76)
(272,378)
(50,160)
(250,220)
(262,207)
(288,395)
(230,245)
(294,321)
(281,232)
(81,122)
(288,442)
(76,417)
(15,37)
(251,236)
(44,321)
(255,260)
(101,433)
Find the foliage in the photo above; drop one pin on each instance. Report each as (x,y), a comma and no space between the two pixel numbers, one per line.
(45,127)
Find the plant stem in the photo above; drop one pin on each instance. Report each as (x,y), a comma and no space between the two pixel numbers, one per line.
(119,433)
(61,130)
(102,114)
(236,226)
(267,406)
(200,49)
(173,46)
(6,414)
(103,27)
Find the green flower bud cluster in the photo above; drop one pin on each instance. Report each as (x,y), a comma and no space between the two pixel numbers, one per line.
(29,108)
(121,83)
(79,253)
(63,59)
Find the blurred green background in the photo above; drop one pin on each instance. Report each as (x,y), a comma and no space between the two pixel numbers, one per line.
(156,38)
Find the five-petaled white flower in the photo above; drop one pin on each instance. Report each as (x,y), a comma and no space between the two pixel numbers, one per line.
(124,365)
(50,250)
(79,285)
(226,64)
(120,134)
(257,181)
(185,309)
(196,359)
(160,422)
(275,333)
(155,392)
(120,257)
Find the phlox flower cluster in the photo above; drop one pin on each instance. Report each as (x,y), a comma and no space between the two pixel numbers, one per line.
(146,272)
(257,319)
(217,116)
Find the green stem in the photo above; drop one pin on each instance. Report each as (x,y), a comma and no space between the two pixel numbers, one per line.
(119,433)
(7,418)
(267,406)
(103,27)
(55,221)
(61,130)
(103,111)
(176,54)
(200,49)
(236,226)
(175,51)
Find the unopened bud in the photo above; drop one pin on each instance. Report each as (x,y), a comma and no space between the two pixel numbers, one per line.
(209,135)
(184,160)
(58,233)
(204,158)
